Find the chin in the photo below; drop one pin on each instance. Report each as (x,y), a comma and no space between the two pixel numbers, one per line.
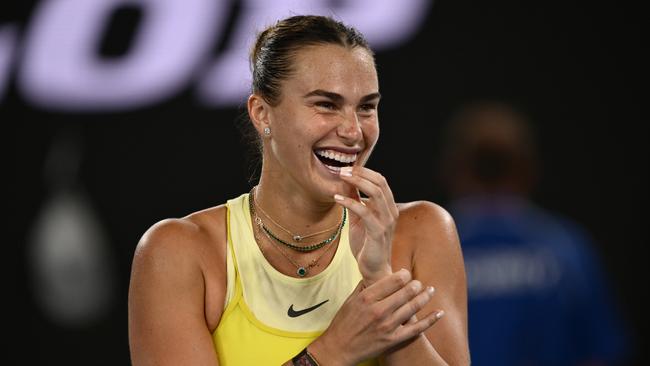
(329,188)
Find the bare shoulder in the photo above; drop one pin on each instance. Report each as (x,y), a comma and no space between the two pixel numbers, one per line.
(426,235)
(184,251)
(424,209)
(425,219)
(167,237)
(181,239)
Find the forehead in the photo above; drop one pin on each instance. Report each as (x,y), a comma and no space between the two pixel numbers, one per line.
(347,71)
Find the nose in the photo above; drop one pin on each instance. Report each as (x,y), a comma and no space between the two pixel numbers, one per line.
(350,128)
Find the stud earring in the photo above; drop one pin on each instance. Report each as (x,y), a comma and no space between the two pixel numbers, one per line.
(267,131)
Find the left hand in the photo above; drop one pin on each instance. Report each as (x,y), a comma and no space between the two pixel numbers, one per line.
(374,225)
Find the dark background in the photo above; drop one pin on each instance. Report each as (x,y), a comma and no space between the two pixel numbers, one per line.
(573,68)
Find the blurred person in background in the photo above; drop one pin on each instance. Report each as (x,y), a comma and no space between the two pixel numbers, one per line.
(537,293)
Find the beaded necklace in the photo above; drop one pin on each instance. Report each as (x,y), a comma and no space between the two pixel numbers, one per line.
(307,248)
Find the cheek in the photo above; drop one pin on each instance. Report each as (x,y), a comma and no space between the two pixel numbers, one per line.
(296,142)
(371,133)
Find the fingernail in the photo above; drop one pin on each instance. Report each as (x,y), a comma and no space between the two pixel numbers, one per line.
(431,290)
(440,314)
(338,197)
(346,171)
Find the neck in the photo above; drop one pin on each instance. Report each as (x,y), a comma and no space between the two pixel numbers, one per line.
(294,207)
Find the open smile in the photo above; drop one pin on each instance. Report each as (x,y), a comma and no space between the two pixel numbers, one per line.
(334,160)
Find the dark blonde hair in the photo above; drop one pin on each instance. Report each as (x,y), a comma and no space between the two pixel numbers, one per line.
(272,55)
(272,58)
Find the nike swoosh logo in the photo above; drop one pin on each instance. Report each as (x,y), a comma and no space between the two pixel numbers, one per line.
(294,313)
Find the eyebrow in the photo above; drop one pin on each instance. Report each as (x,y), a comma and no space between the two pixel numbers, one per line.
(338,97)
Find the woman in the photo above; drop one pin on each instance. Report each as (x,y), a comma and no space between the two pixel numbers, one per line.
(302,270)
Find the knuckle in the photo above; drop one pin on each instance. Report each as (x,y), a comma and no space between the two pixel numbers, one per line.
(413,330)
(422,300)
(420,303)
(419,328)
(382,179)
(365,298)
(413,307)
(389,336)
(431,322)
(402,334)
(385,328)
(414,288)
(402,278)
(392,221)
(376,313)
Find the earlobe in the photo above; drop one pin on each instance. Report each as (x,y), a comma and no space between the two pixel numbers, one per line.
(258,111)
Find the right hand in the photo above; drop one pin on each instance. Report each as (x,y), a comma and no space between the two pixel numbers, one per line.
(372,221)
(374,319)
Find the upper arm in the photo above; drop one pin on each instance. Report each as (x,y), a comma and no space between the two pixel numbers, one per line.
(167,324)
(436,260)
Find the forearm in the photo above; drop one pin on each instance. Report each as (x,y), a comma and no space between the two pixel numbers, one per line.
(417,351)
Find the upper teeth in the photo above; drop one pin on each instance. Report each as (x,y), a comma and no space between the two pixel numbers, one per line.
(338,156)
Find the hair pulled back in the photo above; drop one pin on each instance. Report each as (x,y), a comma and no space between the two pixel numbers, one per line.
(272,55)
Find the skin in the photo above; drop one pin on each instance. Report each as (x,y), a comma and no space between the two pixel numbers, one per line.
(178,280)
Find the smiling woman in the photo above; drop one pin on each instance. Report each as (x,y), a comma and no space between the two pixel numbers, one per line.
(302,270)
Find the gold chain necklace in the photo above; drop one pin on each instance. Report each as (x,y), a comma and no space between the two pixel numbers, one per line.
(295,237)
(306,248)
(301,271)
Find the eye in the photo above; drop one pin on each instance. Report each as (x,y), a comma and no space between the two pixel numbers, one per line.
(326,105)
(367,108)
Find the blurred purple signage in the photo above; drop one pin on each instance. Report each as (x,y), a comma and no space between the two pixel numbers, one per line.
(60,68)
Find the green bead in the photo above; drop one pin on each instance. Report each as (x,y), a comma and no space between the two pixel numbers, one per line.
(301,272)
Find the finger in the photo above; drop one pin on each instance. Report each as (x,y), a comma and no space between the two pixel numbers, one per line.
(386,286)
(369,182)
(377,196)
(416,303)
(371,223)
(378,180)
(411,330)
(368,187)
(377,201)
(372,176)
(402,296)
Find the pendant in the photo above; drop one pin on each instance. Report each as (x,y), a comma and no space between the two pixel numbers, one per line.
(302,271)
(297,238)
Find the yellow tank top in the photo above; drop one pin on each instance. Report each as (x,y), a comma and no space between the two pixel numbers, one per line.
(270,317)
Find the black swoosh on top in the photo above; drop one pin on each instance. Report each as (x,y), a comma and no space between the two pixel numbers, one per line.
(294,313)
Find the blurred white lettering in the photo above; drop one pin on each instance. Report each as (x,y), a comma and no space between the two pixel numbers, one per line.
(385,23)
(61,67)
(62,70)
(503,272)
